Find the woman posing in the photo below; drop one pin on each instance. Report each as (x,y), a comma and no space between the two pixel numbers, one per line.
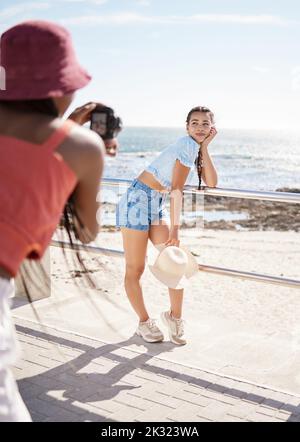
(141,215)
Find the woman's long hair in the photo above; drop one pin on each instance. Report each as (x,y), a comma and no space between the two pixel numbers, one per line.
(199,160)
(46,106)
(69,217)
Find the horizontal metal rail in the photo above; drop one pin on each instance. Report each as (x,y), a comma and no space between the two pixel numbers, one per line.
(282,197)
(87,248)
(293,283)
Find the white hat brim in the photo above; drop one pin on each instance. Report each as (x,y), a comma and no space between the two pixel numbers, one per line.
(192,266)
(173,282)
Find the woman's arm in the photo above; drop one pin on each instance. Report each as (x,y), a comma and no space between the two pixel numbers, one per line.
(209,173)
(180,174)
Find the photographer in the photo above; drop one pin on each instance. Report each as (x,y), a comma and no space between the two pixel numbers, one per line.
(102,121)
(44,161)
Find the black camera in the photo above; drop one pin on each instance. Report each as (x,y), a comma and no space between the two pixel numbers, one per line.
(105,123)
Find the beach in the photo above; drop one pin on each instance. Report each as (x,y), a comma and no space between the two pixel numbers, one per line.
(242,358)
(79,355)
(246,330)
(243,329)
(239,328)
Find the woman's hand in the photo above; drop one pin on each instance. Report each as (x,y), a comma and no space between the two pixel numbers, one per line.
(82,114)
(213,132)
(173,239)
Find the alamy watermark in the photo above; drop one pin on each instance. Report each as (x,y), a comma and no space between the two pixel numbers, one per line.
(2,79)
(139,208)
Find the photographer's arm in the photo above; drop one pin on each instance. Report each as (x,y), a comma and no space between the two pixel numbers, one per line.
(86,192)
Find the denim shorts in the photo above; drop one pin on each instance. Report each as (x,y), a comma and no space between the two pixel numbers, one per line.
(141,206)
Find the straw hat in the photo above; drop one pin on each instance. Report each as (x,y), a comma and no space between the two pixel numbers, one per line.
(174,266)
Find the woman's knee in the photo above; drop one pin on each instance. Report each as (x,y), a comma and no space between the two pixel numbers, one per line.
(134,272)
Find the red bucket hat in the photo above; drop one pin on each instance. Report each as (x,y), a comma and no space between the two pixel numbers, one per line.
(39,62)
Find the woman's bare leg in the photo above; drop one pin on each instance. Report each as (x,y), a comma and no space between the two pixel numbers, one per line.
(135,248)
(159,234)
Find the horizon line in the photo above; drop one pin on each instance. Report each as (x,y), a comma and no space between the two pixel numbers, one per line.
(293,129)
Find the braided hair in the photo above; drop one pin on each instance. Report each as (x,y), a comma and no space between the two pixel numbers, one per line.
(199,159)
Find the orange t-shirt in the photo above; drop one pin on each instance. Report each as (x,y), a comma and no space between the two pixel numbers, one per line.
(35,183)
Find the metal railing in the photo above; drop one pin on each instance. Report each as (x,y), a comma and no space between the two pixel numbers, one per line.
(285,197)
(281,197)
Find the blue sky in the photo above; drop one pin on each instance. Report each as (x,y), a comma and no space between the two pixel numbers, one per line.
(152,60)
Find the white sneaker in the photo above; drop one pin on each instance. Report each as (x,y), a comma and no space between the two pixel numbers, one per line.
(149,331)
(175,328)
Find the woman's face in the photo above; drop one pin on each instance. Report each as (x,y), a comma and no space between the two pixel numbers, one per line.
(199,126)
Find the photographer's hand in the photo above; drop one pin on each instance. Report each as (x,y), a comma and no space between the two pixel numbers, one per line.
(82,114)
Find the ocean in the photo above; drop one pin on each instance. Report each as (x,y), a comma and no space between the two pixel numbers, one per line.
(249,160)
(254,160)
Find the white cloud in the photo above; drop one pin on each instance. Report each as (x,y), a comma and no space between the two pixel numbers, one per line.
(22,8)
(143,2)
(133,18)
(29,6)
(124,18)
(240,19)
(95,2)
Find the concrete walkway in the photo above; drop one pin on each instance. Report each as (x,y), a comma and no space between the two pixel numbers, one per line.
(63,376)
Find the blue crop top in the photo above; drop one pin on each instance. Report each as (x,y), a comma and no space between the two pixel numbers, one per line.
(185,150)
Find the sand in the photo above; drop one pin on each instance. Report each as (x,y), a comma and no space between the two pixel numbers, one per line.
(246,329)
